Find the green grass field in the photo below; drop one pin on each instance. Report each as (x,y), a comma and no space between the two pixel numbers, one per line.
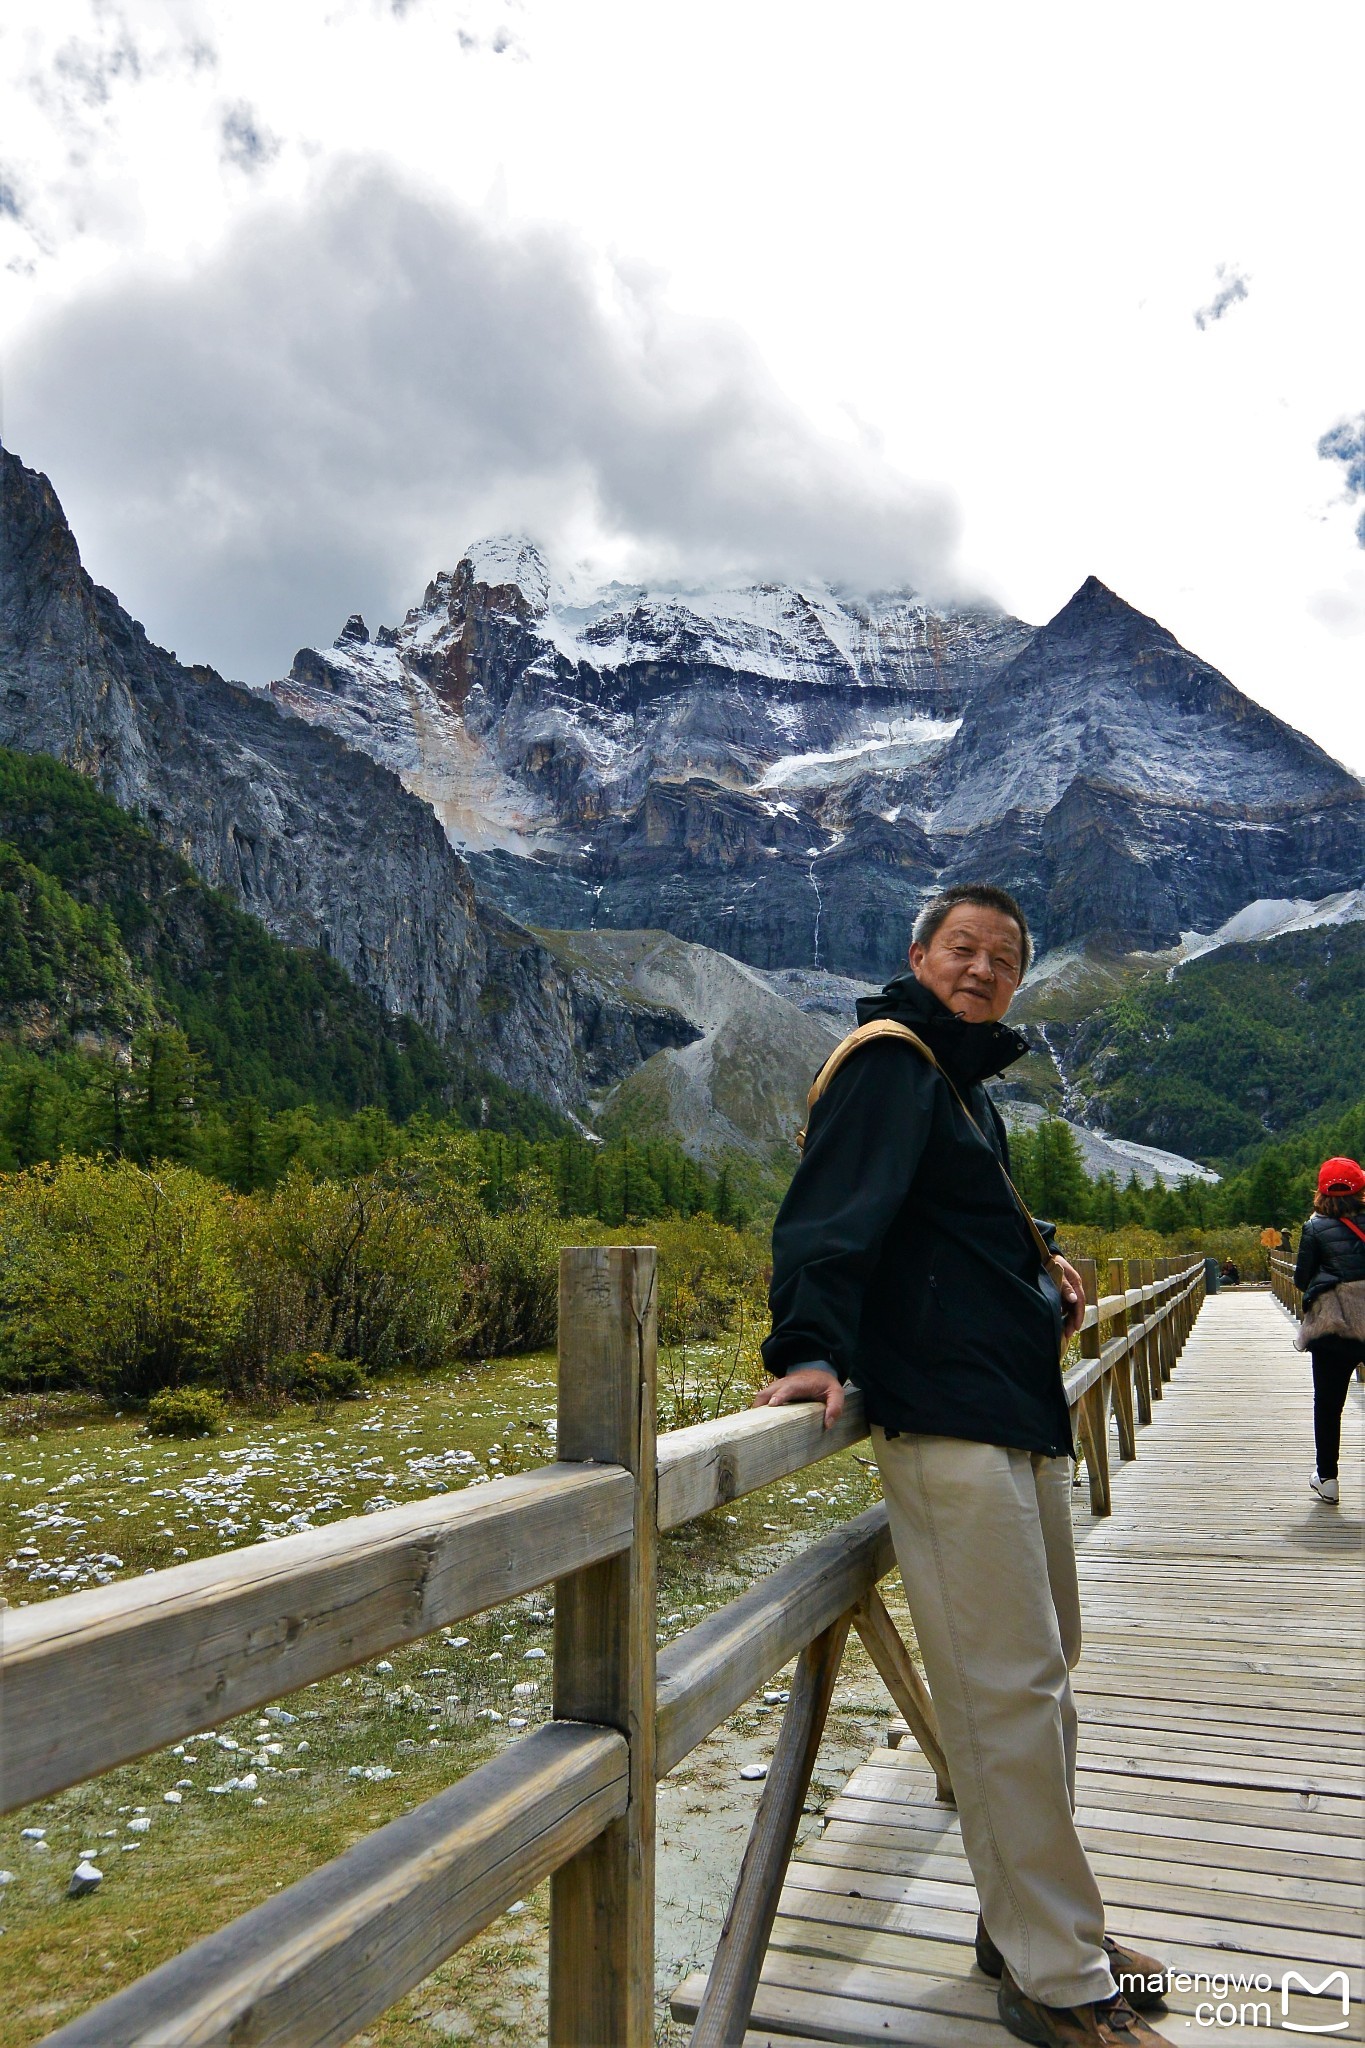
(87,1497)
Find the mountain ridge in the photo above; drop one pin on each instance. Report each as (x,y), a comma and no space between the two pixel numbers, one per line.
(785,777)
(313,836)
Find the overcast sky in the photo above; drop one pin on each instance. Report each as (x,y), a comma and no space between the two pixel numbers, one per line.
(297,300)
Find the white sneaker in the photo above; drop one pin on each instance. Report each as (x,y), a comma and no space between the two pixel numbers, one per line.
(1326,1489)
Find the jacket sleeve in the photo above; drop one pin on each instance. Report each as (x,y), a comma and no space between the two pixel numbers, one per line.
(864,1143)
(1309,1260)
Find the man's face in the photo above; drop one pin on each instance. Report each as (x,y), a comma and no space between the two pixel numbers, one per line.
(973,963)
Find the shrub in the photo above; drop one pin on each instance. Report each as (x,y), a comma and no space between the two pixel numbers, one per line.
(185,1411)
(315,1376)
(117,1279)
(499,1272)
(355,1271)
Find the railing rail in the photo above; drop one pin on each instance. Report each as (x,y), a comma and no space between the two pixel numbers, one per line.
(1282,1283)
(93,1679)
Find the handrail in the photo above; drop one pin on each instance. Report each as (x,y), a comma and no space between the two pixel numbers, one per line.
(1282,1283)
(165,1655)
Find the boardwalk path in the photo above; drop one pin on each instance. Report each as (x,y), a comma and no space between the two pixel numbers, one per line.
(1221,1751)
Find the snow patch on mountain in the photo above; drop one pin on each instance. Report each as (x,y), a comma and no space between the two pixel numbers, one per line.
(896,743)
(1101,1154)
(1271,916)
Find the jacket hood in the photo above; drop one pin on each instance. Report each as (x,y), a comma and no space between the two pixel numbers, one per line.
(969,1052)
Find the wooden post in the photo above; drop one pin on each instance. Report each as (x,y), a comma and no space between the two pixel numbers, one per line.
(882,1641)
(1094,1406)
(1137,1348)
(1152,1342)
(602,1901)
(723,2017)
(1122,1374)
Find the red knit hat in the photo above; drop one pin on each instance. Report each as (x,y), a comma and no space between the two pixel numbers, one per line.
(1340,1177)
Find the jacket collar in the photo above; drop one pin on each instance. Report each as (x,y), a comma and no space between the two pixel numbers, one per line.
(968,1052)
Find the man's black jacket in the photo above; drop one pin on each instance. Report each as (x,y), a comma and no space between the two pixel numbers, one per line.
(899,1253)
(1328,1253)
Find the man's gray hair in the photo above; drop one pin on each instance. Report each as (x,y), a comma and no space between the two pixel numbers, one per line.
(985,896)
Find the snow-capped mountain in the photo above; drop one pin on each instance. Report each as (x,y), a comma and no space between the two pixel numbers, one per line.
(525,711)
(784,774)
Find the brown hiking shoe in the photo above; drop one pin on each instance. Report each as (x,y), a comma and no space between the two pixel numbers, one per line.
(1110,2023)
(1142,1979)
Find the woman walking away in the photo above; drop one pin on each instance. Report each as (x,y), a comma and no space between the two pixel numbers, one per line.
(1330,1270)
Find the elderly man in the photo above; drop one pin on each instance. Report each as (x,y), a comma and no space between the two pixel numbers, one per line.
(901,1260)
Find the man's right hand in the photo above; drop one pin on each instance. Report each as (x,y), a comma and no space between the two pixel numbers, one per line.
(807,1383)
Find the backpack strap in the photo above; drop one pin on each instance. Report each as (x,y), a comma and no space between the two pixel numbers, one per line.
(881,1027)
(886,1027)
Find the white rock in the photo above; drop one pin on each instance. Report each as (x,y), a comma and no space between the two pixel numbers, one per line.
(753,1770)
(459,1642)
(286,1720)
(8,1877)
(516,1721)
(173,1798)
(532,1656)
(84,1878)
(185,1784)
(32,1834)
(138,1827)
(383,1665)
(258,1802)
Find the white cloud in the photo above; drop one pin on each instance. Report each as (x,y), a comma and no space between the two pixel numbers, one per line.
(1232,286)
(981,231)
(320,414)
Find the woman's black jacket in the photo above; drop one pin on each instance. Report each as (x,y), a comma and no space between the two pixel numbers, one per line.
(1328,1252)
(899,1253)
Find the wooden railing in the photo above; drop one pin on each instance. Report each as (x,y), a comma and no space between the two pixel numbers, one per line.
(1282,1283)
(94,1679)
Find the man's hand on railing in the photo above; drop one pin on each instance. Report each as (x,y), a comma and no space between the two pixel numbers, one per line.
(1073,1298)
(807,1383)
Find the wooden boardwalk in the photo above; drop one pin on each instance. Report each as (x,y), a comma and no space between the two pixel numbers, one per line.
(1220,1786)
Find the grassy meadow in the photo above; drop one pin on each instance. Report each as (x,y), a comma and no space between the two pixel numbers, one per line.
(87,1497)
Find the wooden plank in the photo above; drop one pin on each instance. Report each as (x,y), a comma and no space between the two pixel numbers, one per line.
(723,2014)
(807,1895)
(602,1899)
(96,1678)
(1126,1889)
(972,1996)
(705,1674)
(316,1963)
(861,1945)
(783,2012)
(1202,1798)
(714,1462)
(882,1640)
(1223,1865)
(1225,1845)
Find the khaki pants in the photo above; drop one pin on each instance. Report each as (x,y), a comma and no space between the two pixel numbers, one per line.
(983,1540)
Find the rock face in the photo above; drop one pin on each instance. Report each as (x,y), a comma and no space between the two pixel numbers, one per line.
(314,837)
(741,1085)
(627,758)
(784,776)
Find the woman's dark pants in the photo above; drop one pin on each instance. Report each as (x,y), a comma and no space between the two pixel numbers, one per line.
(1334,1360)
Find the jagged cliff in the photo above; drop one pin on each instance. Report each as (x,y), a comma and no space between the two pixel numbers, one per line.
(317,839)
(785,775)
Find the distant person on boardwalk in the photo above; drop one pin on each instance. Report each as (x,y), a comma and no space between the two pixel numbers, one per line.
(902,1260)
(1230,1273)
(1330,1271)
